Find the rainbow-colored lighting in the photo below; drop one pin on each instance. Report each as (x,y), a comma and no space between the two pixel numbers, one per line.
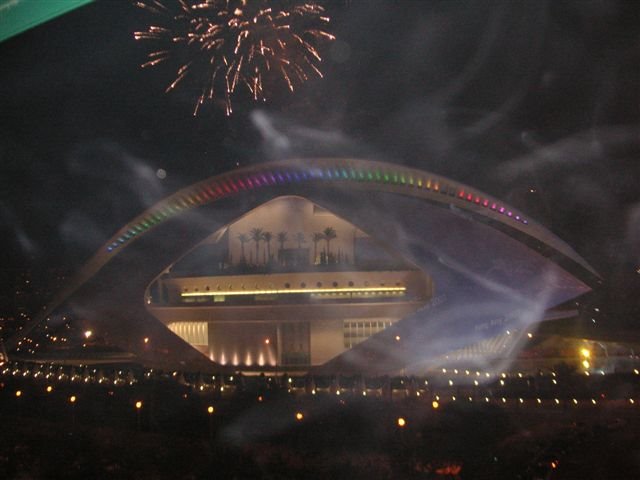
(272,175)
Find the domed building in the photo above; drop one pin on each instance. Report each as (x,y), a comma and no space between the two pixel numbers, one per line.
(327,265)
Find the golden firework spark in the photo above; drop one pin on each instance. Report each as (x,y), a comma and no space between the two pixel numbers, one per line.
(224,44)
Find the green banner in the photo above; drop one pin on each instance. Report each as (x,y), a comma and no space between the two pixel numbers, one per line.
(16,16)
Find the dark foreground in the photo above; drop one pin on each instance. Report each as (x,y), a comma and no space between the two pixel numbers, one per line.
(276,434)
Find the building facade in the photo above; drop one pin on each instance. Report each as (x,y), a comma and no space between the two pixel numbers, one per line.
(289,284)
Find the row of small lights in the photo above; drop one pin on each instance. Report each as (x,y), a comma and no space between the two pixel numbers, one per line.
(221,388)
(584,353)
(521,401)
(202,388)
(298,416)
(436,402)
(401,421)
(272,287)
(91,377)
(72,399)
(210,191)
(61,375)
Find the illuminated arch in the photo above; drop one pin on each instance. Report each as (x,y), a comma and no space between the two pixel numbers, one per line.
(360,174)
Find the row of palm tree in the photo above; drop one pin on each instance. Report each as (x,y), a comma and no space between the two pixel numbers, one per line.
(258,235)
(327,235)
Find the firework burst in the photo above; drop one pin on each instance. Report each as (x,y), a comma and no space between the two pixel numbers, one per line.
(222,45)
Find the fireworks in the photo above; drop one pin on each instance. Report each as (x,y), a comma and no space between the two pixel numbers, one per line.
(221,45)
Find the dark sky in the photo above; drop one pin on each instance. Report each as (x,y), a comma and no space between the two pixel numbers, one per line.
(535,102)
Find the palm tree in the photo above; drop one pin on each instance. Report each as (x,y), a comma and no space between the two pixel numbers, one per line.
(329,234)
(282,238)
(267,236)
(300,239)
(256,236)
(317,237)
(243,239)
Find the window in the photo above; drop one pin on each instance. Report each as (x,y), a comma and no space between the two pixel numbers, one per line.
(355,332)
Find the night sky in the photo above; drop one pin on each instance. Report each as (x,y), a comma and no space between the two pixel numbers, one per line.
(537,103)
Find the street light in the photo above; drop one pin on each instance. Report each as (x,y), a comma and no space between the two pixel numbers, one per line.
(72,401)
(401,422)
(210,411)
(138,409)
